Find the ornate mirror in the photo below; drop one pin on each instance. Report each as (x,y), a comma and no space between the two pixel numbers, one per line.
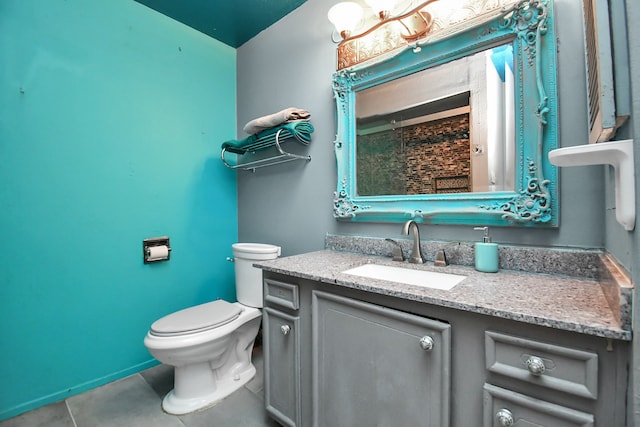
(453,129)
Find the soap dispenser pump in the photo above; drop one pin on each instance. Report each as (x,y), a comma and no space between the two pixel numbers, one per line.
(486,253)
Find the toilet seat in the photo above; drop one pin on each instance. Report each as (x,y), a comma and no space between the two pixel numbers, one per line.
(199,318)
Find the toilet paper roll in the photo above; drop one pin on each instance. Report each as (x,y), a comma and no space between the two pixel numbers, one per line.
(158,252)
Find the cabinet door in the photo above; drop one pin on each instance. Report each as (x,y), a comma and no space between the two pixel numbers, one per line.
(504,408)
(374,366)
(282,361)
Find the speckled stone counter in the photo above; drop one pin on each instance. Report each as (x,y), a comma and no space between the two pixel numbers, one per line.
(565,302)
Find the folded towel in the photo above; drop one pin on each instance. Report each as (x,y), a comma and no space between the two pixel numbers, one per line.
(275,119)
(300,130)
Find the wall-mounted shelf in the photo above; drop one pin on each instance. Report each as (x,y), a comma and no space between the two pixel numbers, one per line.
(618,154)
(270,138)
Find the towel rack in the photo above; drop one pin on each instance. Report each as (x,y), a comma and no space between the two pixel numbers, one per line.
(272,140)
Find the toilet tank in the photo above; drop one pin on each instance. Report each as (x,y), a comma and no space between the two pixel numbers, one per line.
(248,277)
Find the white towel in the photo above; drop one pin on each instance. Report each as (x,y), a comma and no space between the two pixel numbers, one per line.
(272,120)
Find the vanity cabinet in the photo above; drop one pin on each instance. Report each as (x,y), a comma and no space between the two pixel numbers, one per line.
(340,356)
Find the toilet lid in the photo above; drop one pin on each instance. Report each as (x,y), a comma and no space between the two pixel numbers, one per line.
(196,319)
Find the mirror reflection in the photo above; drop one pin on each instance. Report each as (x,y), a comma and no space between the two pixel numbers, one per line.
(446,129)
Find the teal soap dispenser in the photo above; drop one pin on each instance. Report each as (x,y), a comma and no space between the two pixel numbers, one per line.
(486,253)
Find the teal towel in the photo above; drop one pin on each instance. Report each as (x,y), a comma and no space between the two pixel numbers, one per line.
(300,130)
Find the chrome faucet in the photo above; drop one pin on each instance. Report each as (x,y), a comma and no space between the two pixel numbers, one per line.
(416,253)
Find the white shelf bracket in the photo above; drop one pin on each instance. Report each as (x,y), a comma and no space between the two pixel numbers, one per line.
(618,154)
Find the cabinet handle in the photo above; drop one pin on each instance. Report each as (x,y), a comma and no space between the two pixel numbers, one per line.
(504,418)
(285,329)
(426,343)
(535,365)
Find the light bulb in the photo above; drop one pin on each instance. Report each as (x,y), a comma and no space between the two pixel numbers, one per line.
(345,16)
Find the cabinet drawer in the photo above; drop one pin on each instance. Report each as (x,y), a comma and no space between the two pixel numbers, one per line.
(506,408)
(281,293)
(559,368)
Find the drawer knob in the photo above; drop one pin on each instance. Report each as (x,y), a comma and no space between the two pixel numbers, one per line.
(426,343)
(504,418)
(285,329)
(535,365)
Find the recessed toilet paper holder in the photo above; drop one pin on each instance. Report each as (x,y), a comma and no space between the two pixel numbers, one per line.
(156,249)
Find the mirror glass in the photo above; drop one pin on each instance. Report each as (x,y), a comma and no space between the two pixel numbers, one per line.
(446,129)
(455,129)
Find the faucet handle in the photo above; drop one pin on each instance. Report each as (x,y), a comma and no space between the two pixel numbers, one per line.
(441,259)
(398,255)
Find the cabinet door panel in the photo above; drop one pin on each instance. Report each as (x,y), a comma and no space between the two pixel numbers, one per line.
(282,359)
(370,367)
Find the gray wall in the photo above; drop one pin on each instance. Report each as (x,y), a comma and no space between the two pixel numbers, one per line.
(633,239)
(627,245)
(291,64)
(620,243)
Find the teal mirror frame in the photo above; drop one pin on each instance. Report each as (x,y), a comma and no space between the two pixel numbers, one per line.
(534,203)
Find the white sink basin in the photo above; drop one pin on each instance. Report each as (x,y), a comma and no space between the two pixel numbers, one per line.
(427,279)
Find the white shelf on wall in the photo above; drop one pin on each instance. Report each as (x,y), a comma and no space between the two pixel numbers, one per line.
(618,154)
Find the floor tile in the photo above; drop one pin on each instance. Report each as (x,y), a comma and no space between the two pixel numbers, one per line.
(54,415)
(242,409)
(160,378)
(135,401)
(127,402)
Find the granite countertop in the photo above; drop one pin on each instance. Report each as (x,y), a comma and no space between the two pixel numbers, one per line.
(564,302)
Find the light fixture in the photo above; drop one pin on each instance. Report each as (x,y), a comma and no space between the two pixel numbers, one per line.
(345,17)
(387,25)
(378,27)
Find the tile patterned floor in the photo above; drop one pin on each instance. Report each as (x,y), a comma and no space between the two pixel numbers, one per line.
(135,401)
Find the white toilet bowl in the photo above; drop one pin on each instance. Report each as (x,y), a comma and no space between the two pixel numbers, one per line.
(210,344)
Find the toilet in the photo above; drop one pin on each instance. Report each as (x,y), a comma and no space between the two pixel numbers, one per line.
(210,344)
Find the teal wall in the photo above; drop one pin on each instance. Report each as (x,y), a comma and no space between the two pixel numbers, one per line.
(111,119)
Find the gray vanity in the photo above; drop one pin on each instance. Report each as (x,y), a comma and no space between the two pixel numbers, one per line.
(510,348)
